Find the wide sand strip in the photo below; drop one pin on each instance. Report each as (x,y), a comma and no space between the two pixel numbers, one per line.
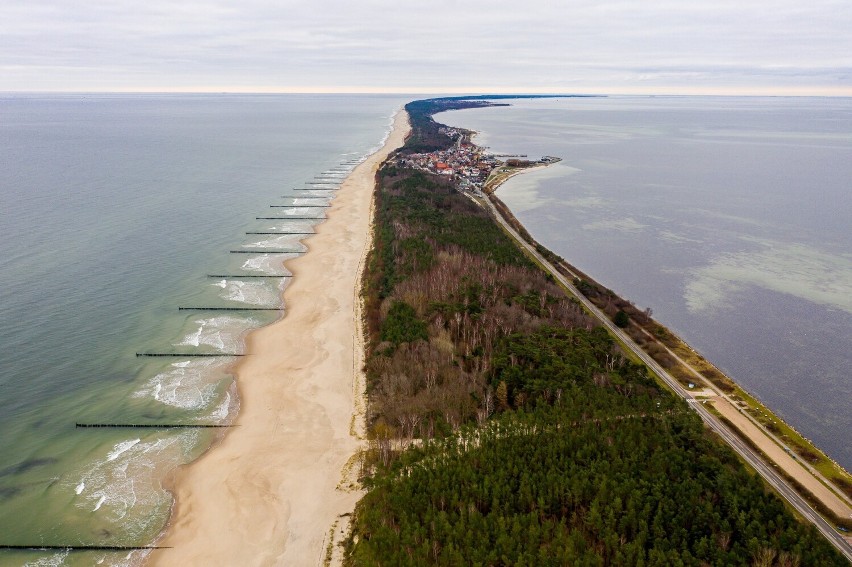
(266,495)
(783,459)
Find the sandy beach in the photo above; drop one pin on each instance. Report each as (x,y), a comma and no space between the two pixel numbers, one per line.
(268,493)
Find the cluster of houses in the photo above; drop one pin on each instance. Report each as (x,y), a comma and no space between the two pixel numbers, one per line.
(465,162)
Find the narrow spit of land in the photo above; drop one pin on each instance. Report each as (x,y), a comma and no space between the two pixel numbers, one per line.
(508,427)
(268,493)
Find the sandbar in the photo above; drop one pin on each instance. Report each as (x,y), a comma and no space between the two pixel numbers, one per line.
(269,493)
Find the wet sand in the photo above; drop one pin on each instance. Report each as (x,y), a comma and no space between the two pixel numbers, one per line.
(269,493)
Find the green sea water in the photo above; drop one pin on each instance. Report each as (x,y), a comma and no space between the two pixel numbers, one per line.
(116,210)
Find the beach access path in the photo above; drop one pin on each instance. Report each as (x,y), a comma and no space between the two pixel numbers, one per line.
(268,493)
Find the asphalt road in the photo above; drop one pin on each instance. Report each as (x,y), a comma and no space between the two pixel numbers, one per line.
(746,452)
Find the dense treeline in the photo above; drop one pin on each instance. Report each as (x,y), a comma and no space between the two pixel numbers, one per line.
(508,429)
(548,487)
(425,136)
(446,287)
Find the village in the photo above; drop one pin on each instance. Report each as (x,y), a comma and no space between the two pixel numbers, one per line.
(466,163)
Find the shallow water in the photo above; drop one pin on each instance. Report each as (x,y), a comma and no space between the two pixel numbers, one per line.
(116,209)
(729,217)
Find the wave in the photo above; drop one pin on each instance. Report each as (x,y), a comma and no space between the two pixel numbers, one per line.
(54,560)
(224,332)
(253,293)
(121,448)
(287,240)
(189,385)
(299,201)
(268,264)
(125,483)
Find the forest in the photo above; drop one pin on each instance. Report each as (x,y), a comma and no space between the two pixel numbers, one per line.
(507,428)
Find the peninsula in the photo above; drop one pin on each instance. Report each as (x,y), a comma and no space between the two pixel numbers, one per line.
(475,404)
(512,421)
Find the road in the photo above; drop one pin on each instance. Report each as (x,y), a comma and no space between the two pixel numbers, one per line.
(746,452)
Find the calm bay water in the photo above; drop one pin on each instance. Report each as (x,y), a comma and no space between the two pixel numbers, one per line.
(730,217)
(115,211)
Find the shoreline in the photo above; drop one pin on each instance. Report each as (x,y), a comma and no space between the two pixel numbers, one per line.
(268,492)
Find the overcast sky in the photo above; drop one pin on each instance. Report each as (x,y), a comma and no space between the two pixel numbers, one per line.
(741,46)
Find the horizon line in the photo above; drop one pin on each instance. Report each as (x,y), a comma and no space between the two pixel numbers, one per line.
(839,92)
(417,95)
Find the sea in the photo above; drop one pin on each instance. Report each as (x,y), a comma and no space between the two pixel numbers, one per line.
(130,228)
(730,218)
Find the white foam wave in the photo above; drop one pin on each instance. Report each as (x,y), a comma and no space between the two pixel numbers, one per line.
(301,201)
(135,558)
(186,385)
(221,412)
(253,293)
(302,211)
(223,333)
(121,448)
(290,241)
(80,488)
(125,483)
(320,192)
(270,264)
(286,241)
(293,226)
(54,560)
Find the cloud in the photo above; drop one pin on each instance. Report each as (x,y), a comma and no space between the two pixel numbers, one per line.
(543,44)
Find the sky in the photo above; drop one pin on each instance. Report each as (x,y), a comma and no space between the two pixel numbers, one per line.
(430,46)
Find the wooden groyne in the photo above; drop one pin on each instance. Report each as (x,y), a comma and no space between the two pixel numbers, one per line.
(249,276)
(185,354)
(154,425)
(262,251)
(229,308)
(41,547)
